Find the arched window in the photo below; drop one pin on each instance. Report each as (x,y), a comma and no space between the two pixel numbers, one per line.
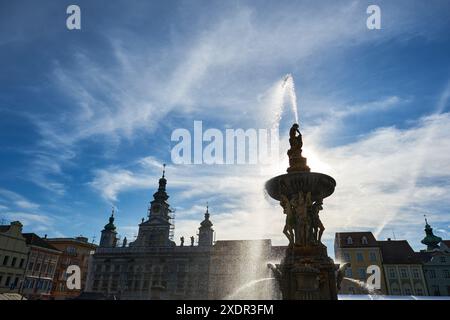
(419,290)
(364,240)
(395,289)
(349,240)
(407,290)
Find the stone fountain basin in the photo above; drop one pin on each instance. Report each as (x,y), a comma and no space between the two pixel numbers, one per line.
(320,185)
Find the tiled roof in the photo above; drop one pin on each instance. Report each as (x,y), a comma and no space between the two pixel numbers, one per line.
(71,240)
(424,256)
(446,242)
(398,252)
(35,240)
(341,239)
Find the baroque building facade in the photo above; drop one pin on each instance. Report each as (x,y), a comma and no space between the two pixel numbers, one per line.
(436,263)
(74,251)
(13,257)
(41,267)
(360,250)
(154,267)
(403,269)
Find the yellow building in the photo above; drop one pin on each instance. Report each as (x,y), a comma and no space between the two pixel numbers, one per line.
(13,257)
(403,269)
(361,250)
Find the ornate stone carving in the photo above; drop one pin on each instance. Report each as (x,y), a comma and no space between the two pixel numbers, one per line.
(306,272)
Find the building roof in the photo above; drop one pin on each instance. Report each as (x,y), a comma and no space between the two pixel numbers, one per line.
(78,240)
(424,256)
(446,242)
(341,239)
(35,240)
(398,252)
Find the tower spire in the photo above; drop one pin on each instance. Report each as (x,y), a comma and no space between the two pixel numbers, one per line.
(430,240)
(164,170)
(205,235)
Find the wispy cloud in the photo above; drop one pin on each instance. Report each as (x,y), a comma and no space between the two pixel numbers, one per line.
(14,199)
(112,101)
(372,174)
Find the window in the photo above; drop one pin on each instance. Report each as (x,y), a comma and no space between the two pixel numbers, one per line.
(446,274)
(435,290)
(349,240)
(145,286)
(408,291)
(364,240)
(373,256)
(181,267)
(415,273)
(432,274)
(13,262)
(114,284)
(403,273)
(392,273)
(95,285)
(51,267)
(349,273)
(362,273)
(8,281)
(347,257)
(359,257)
(419,291)
(22,261)
(30,266)
(442,259)
(71,251)
(5,260)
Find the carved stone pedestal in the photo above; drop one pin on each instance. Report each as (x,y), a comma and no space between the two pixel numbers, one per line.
(307,273)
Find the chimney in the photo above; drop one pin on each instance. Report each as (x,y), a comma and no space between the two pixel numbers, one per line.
(45,236)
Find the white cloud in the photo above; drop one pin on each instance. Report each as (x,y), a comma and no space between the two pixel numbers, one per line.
(217,66)
(378,185)
(16,200)
(31,220)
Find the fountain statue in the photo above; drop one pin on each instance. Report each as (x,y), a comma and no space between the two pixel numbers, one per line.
(306,272)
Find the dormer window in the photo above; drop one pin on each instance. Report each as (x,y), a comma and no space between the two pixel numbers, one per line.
(349,240)
(364,240)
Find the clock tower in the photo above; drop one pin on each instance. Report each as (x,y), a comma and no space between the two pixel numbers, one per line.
(155,231)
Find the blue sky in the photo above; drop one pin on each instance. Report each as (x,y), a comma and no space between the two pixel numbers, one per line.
(86,115)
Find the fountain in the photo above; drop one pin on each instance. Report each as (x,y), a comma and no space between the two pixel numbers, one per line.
(306,272)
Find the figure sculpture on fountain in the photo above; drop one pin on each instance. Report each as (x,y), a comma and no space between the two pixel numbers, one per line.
(290,220)
(296,161)
(317,225)
(303,226)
